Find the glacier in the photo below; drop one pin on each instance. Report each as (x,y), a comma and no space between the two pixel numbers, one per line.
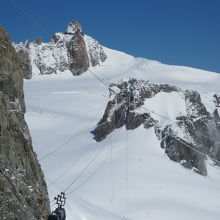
(132,177)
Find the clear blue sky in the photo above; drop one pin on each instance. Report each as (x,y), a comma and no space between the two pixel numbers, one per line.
(181,32)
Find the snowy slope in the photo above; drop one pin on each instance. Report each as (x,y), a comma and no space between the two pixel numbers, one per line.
(64,109)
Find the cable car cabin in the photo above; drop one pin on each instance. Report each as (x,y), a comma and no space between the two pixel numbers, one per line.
(53,217)
(61,212)
(58,214)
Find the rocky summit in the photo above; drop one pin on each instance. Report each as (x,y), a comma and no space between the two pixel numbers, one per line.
(23,191)
(71,50)
(194,129)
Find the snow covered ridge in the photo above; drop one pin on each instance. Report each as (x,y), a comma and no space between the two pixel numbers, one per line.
(184,130)
(71,50)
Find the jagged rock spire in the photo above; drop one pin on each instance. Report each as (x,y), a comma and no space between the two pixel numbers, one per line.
(71,50)
(73,27)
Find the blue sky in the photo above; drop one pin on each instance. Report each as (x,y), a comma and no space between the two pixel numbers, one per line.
(180,32)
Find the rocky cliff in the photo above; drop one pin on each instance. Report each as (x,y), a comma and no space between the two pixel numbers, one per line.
(193,130)
(71,50)
(23,191)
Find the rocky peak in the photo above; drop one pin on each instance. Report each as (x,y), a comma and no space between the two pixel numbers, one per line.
(69,51)
(38,41)
(73,27)
(76,49)
(194,126)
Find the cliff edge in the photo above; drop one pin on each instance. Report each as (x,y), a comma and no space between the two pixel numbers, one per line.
(23,190)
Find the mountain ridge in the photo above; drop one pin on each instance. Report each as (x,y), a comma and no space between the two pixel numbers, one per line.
(71,50)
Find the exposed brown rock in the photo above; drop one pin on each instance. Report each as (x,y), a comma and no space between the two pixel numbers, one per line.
(77,53)
(38,41)
(25,63)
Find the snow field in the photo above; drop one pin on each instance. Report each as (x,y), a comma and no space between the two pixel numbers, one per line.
(62,107)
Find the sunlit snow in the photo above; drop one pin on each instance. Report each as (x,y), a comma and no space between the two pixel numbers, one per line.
(64,109)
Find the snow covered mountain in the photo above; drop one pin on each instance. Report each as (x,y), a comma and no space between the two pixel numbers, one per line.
(71,50)
(115,150)
(190,128)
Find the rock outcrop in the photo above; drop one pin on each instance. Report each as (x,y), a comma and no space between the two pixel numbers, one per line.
(25,62)
(120,110)
(195,130)
(23,190)
(71,50)
(76,49)
(216,99)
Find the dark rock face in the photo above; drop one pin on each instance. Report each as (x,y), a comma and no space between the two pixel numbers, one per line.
(176,150)
(76,47)
(216,99)
(22,186)
(25,62)
(71,50)
(217,118)
(199,127)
